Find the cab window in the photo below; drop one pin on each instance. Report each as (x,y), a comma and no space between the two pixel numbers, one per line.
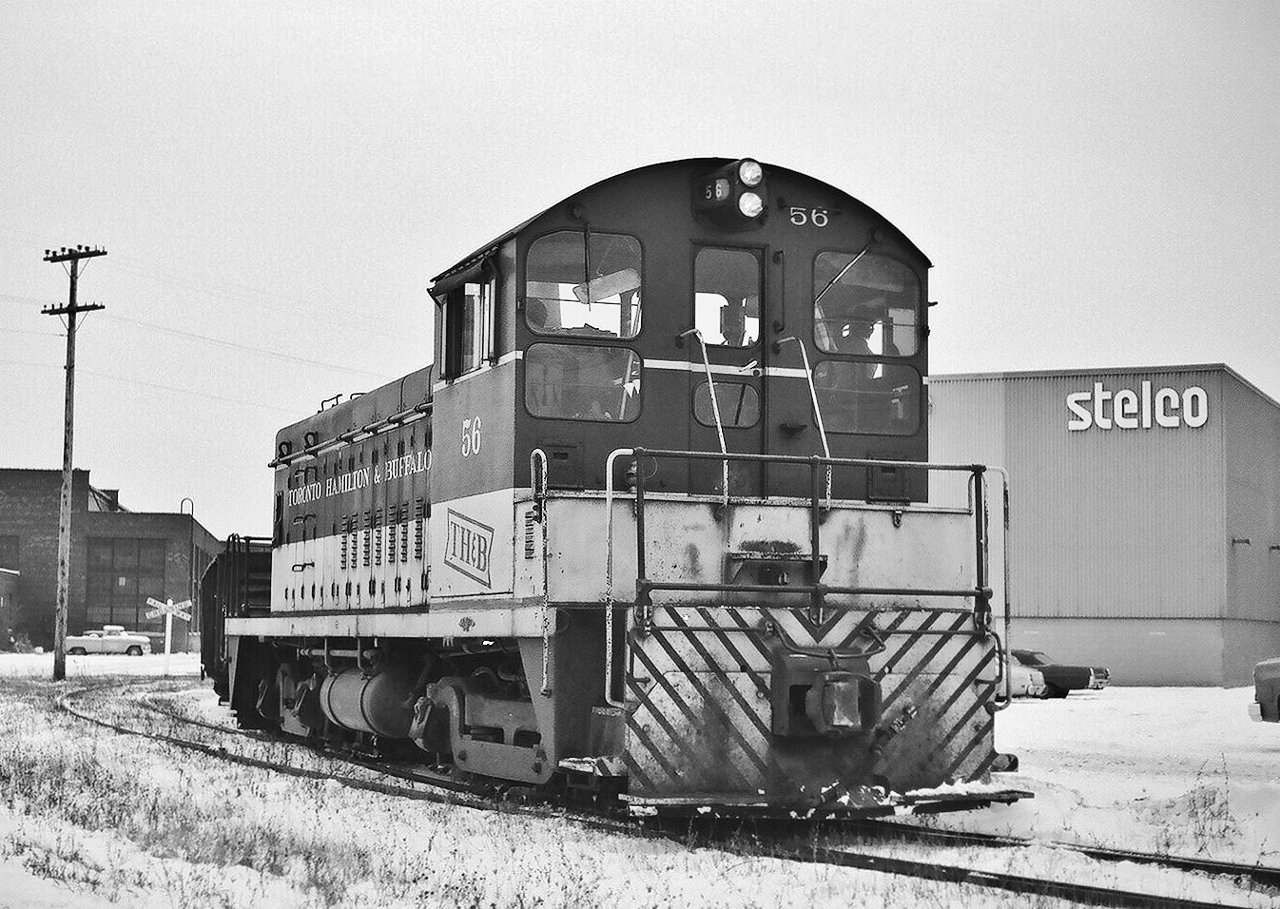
(739,405)
(865,305)
(468,327)
(583,285)
(726,296)
(582,382)
(868,398)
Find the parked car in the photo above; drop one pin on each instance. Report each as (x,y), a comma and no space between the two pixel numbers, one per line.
(1266,691)
(1061,678)
(109,639)
(1025,682)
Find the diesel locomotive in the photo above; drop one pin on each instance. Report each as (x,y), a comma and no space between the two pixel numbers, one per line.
(655,524)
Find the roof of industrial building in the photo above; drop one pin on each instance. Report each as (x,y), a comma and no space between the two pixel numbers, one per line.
(1109,370)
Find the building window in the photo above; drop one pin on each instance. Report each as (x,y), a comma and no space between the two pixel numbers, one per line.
(9,552)
(585,285)
(121,574)
(865,305)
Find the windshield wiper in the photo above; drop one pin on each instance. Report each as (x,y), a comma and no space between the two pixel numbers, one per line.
(844,271)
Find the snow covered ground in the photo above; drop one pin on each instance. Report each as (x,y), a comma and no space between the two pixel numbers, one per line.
(1182,770)
(94,665)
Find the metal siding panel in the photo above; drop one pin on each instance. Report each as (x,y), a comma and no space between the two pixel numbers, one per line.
(1251,447)
(966,426)
(1087,505)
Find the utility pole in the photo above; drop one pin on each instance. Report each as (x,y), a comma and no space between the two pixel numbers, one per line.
(64,511)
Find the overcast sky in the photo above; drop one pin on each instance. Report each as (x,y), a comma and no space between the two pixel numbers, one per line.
(1097,184)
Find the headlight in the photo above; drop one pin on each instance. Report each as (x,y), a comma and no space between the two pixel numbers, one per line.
(734,196)
(750,204)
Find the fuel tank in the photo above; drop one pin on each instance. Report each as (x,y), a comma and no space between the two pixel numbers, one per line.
(379,704)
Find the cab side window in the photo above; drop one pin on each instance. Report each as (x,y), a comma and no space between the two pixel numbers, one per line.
(582,382)
(583,285)
(468,327)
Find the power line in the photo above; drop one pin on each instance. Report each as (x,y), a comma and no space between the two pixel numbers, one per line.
(222,289)
(235,345)
(28,331)
(258,350)
(182,391)
(27,301)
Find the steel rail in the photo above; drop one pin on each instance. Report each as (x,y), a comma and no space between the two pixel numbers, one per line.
(221,753)
(1086,894)
(1260,874)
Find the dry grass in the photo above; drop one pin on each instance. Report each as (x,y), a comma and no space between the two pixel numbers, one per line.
(145,824)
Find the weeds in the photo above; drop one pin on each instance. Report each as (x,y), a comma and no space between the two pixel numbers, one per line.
(1201,821)
(122,816)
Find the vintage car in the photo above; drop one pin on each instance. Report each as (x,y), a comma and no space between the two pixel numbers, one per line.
(109,639)
(1025,682)
(1061,678)
(1266,692)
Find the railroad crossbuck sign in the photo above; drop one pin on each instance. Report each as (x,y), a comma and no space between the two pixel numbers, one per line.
(168,609)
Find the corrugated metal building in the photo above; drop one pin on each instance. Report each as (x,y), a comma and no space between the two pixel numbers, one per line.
(1145,513)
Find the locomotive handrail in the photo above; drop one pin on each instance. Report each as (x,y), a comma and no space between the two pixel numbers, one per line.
(538,481)
(1008,601)
(803,459)
(608,574)
(715,404)
(981,591)
(813,394)
(823,588)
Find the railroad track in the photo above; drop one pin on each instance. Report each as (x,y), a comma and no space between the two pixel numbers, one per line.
(772,839)
(1260,874)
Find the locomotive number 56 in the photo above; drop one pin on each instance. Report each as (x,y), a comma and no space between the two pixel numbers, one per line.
(470,437)
(818,217)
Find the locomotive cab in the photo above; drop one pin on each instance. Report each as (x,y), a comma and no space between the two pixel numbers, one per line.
(656,520)
(649,309)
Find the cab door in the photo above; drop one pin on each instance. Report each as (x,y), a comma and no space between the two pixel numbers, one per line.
(730,311)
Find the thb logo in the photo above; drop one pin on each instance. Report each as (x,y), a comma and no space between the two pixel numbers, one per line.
(468,547)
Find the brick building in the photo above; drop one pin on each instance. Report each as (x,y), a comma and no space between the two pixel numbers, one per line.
(8,604)
(119,558)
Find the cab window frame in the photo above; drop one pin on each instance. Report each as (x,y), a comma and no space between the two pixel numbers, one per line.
(529,300)
(468,326)
(916,393)
(916,335)
(529,357)
(756,254)
(720,385)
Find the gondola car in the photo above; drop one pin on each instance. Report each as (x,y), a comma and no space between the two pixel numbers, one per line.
(655,525)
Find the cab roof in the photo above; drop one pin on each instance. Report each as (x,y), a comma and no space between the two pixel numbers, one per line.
(489,248)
